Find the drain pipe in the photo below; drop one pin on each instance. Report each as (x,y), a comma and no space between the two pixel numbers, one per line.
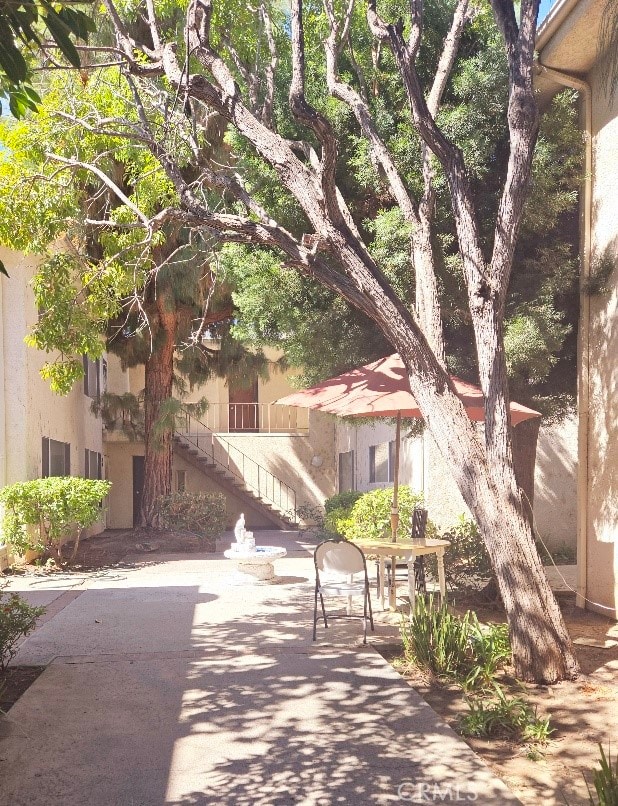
(583,87)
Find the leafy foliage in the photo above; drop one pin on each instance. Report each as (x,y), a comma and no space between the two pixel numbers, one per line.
(370,516)
(140,296)
(605,781)
(64,327)
(502,715)
(22,24)
(318,332)
(468,560)
(455,647)
(40,514)
(202,514)
(460,649)
(322,334)
(339,521)
(312,515)
(437,640)
(345,500)
(17,618)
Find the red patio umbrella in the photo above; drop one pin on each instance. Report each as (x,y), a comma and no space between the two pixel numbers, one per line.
(382,389)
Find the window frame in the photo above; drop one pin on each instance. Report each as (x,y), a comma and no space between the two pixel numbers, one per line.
(88,363)
(89,457)
(390,463)
(46,457)
(352,460)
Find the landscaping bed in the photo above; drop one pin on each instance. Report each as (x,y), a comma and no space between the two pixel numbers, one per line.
(14,682)
(582,713)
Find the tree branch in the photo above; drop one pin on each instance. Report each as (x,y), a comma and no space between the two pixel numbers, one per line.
(304,113)
(451,158)
(271,67)
(443,72)
(352,98)
(70,163)
(523,122)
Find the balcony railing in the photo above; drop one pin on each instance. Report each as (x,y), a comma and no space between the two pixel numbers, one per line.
(255,418)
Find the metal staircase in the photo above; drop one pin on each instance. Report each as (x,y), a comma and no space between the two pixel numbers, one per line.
(236,472)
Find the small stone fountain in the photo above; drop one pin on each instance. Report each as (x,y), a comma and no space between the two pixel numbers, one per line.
(254,563)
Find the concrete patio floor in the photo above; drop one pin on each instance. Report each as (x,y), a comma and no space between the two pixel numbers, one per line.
(168,684)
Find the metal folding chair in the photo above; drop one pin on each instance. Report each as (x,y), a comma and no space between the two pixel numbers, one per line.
(337,565)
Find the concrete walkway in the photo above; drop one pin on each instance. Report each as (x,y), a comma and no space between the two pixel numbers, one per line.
(168,684)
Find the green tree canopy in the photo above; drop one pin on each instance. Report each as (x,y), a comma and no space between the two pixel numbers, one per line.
(23,26)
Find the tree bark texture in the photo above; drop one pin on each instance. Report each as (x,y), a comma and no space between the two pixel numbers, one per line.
(158,442)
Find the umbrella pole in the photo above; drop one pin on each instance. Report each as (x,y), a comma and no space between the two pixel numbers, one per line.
(395,511)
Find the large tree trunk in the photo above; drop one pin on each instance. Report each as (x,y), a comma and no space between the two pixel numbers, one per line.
(525,438)
(158,444)
(542,648)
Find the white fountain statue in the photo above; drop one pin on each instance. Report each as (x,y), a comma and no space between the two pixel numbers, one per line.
(245,542)
(239,529)
(254,564)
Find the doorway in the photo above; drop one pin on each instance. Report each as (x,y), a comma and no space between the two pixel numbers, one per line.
(138,488)
(243,406)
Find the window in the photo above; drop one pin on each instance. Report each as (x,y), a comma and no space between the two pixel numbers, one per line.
(93,465)
(56,458)
(381,462)
(346,472)
(92,378)
(181,481)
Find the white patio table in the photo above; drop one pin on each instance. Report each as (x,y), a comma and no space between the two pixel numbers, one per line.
(409,550)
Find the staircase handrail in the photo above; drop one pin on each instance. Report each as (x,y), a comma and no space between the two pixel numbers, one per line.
(262,472)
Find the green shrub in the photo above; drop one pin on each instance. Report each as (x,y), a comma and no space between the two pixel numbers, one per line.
(468,559)
(17,618)
(455,647)
(312,519)
(371,514)
(437,640)
(58,508)
(502,715)
(368,515)
(202,514)
(344,500)
(605,782)
(338,521)
(490,652)
(311,514)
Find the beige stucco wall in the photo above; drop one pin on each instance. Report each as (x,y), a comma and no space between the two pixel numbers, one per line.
(29,409)
(555,487)
(120,455)
(423,468)
(359,438)
(216,392)
(119,462)
(600,477)
(304,461)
